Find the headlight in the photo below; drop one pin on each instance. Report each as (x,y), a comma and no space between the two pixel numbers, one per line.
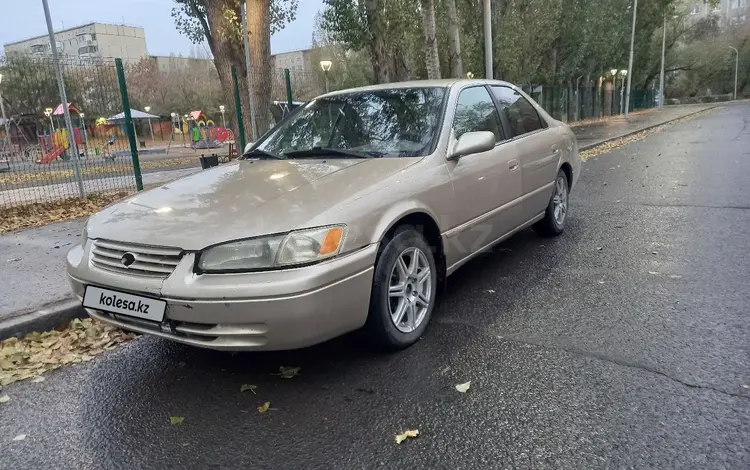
(295,248)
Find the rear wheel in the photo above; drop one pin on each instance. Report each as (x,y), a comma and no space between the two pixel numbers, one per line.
(403,291)
(556,214)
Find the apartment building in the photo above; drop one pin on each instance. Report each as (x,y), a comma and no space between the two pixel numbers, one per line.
(728,11)
(93,40)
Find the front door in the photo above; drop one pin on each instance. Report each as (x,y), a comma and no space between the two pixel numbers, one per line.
(487,185)
(537,145)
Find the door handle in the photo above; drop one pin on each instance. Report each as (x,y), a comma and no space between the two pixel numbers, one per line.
(513,165)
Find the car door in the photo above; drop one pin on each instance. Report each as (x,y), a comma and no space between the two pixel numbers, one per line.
(538,148)
(487,185)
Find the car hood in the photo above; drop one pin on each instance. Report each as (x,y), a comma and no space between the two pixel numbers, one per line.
(239,200)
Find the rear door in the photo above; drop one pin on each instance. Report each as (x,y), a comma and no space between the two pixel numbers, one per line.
(487,185)
(538,148)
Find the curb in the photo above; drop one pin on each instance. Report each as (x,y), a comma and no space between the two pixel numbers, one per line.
(628,134)
(46,318)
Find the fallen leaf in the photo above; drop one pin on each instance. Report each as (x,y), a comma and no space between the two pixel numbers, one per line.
(491,291)
(265,407)
(37,380)
(746,386)
(287,372)
(20,437)
(176,419)
(4,399)
(653,272)
(180,364)
(601,282)
(246,387)
(37,353)
(406,434)
(463,388)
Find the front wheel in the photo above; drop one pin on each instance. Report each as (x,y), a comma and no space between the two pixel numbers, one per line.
(403,291)
(556,214)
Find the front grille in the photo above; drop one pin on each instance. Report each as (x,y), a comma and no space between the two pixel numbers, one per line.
(150,261)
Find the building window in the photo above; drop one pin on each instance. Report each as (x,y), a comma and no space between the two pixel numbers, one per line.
(87,49)
(38,48)
(83,38)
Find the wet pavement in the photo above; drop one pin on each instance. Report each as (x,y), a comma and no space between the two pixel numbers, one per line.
(624,343)
(597,131)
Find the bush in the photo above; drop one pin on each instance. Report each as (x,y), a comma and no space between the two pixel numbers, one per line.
(709,99)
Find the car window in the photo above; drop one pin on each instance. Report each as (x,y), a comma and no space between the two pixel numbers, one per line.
(521,115)
(397,122)
(476,111)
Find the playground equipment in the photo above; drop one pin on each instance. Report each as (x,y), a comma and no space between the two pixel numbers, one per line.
(56,145)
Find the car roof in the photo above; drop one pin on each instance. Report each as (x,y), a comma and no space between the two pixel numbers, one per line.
(443,82)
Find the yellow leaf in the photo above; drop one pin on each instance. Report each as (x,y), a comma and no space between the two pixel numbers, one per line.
(406,434)
(176,420)
(20,437)
(38,379)
(463,388)
(246,387)
(4,399)
(265,407)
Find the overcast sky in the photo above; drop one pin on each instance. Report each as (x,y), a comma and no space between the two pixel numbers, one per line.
(22,19)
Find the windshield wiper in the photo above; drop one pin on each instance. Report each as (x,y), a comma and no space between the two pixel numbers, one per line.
(328,152)
(262,153)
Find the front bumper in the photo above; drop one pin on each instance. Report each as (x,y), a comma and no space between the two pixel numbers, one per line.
(272,310)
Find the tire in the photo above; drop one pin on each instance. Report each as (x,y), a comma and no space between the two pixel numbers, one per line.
(552,225)
(381,330)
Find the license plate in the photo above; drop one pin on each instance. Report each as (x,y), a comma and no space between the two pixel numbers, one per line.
(124,304)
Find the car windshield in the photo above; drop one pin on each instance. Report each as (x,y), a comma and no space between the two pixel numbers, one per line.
(396,122)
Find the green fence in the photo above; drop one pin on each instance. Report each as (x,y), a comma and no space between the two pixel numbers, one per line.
(38,164)
(190,116)
(571,104)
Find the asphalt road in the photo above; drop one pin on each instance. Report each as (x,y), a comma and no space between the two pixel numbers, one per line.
(623,343)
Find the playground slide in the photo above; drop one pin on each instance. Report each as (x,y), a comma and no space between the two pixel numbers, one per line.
(56,152)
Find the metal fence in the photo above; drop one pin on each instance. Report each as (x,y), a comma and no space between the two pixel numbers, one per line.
(39,164)
(572,104)
(37,161)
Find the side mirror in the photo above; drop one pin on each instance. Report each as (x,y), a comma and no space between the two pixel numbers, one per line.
(247,147)
(472,142)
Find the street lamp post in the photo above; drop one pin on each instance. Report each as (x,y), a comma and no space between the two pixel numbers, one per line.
(326,66)
(85,136)
(487,20)
(63,99)
(661,72)
(736,66)
(630,60)
(223,122)
(48,113)
(151,129)
(2,113)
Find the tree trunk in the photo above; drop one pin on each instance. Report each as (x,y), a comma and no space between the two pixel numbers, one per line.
(376,28)
(454,41)
(259,43)
(227,54)
(432,58)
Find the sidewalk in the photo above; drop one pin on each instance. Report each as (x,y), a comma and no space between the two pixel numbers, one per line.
(32,276)
(598,131)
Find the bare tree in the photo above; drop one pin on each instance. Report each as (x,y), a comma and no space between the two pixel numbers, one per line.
(432,58)
(454,41)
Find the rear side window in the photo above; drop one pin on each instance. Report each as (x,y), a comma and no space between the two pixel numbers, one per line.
(521,115)
(475,111)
